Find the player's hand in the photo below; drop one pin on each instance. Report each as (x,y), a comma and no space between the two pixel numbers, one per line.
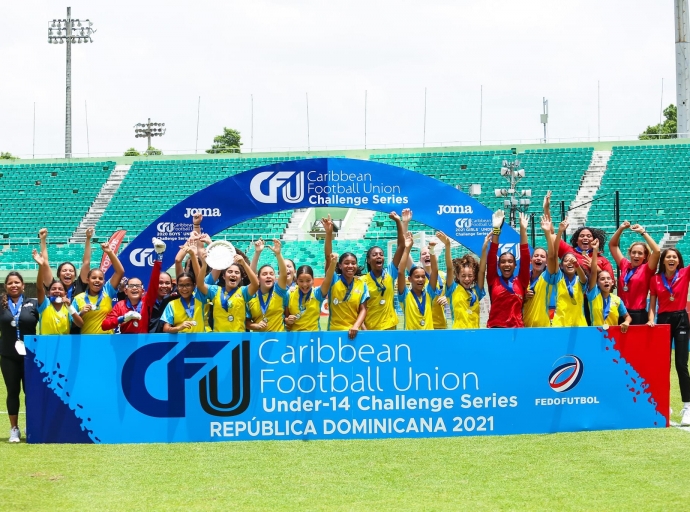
(529,294)
(497,219)
(624,327)
(43,234)
(89,233)
(352,333)
(443,238)
(290,320)
(442,300)
(327,224)
(37,257)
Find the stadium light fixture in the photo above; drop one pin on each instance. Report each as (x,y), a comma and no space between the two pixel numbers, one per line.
(513,173)
(149,130)
(66,33)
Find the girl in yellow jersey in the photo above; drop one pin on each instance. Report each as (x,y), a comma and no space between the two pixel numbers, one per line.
(96,302)
(605,308)
(536,309)
(380,280)
(56,314)
(347,299)
(230,301)
(265,312)
(304,302)
(465,285)
(416,300)
(570,281)
(185,314)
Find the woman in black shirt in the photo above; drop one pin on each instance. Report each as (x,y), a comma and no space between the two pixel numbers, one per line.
(18,318)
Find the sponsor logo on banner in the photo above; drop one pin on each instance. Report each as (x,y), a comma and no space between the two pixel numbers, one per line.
(566,375)
(165,227)
(206,212)
(472,226)
(513,249)
(175,231)
(185,365)
(141,257)
(291,184)
(454,209)
(114,243)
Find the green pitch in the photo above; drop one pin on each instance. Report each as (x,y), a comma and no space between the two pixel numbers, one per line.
(612,470)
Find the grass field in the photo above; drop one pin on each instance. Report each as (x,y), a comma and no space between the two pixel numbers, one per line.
(610,470)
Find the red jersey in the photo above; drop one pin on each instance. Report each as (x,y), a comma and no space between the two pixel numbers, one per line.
(506,306)
(639,280)
(147,301)
(679,287)
(604,264)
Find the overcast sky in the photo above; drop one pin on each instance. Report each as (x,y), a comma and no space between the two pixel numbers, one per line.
(154,58)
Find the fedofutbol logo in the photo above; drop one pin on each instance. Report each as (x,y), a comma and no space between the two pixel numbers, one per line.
(566,375)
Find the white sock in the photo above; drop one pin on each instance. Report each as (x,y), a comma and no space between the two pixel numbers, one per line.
(686,405)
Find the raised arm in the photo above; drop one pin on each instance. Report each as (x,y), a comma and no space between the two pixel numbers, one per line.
(433,277)
(653,260)
(118,269)
(524,272)
(199,270)
(326,284)
(481,278)
(86,258)
(401,237)
(43,239)
(402,266)
(282,269)
(614,243)
(253,285)
(450,271)
(594,267)
(552,255)
(327,224)
(546,206)
(40,290)
(524,222)
(258,249)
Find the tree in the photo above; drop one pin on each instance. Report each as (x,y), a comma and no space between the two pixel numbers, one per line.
(132,152)
(228,142)
(666,130)
(8,156)
(153,151)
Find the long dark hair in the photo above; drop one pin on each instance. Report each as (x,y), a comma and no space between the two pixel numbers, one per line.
(338,270)
(597,233)
(662,266)
(4,299)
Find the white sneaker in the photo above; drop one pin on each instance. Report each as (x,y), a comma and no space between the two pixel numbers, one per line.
(16,435)
(685,413)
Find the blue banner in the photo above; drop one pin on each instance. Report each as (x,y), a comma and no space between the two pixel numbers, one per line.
(225,387)
(319,182)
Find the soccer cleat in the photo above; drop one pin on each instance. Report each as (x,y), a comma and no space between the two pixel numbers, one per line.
(685,416)
(15,435)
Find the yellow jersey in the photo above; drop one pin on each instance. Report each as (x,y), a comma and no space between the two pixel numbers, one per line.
(53,321)
(229,308)
(437,311)
(607,311)
(344,301)
(570,311)
(535,312)
(270,306)
(416,310)
(102,305)
(306,307)
(381,313)
(464,305)
(179,310)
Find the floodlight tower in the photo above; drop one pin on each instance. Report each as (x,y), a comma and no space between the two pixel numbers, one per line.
(511,171)
(682,67)
(149,130)
(69,31)
(544,118)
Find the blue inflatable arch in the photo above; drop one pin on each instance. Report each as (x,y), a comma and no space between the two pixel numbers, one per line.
(337,182)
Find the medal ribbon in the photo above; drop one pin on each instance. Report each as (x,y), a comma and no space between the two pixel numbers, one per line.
(136,308)
(16,310)
(70,292)
(381,287)
(570,285)
(533,282)
(225,299)
(264,305)
(508,285)
(188,308)
(607,307)
(98,302)
(473,296)
(673,281)
(349,288)
(421,304)
(629,274)
(306,297)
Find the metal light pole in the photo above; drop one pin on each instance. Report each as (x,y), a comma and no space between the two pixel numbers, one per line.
(149,130)
(544,118)
(511,171)
(69,31)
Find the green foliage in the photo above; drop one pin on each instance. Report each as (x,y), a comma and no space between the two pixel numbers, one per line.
(8,156)
(666,130)
(132,152)
(228,142)
(153,151)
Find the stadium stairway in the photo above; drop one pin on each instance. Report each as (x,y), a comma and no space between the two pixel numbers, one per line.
(99,204)
(591,181)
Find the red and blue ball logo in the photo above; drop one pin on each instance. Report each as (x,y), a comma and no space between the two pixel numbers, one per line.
(567,374)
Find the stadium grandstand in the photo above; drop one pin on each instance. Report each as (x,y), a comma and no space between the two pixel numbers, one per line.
(125,193)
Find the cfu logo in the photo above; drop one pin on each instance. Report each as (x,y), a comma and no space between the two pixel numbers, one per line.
(179,369)
(463,223)
(141,257)
(165,227)
(453,208)
(513,249)
(276,181)
(566,376)
(206,212)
